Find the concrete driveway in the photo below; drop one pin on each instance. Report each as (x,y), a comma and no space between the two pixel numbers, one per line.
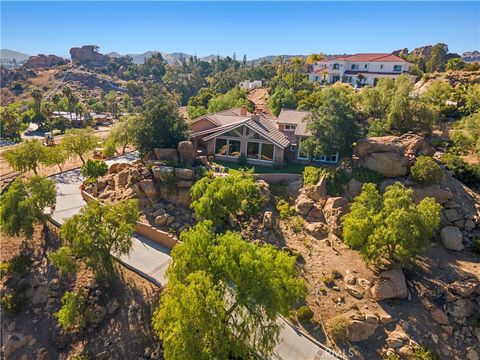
(147,257)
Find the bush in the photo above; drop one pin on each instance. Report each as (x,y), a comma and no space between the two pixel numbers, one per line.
(422,353)
(336,178)
(390,225)
(218,198)
(297,224)
(15,301)
(476,244)
(285,211)
(469,174)
(366,175)
(311,175)
(72,315)
(94,168)
(304,313)
(17,264)
(337,328)
(426,171)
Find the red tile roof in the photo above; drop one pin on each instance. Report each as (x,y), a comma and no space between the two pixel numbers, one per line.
(370,57)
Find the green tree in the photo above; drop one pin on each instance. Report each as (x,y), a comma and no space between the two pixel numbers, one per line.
(390,226)
(160,125)
(223,296)
(426,171)
(466,133)
(122,134)
(55,156)
(438,58)
(333,124)
(219,198)
(72,314)
(455,64)
(94,168)
(11,123)
(56,98)
(438,97)
(232,99)
(79,142)
(60,123)
(37,95)
(98,232)
(27,156)
(112,103)
(282,98)
(23,204)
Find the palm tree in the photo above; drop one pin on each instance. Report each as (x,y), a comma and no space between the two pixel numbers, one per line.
(56,100)
(68,93)
(37,96)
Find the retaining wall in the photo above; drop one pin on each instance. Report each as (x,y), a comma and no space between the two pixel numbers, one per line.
(275,178)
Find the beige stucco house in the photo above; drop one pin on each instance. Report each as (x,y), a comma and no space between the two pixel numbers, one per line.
(236,133)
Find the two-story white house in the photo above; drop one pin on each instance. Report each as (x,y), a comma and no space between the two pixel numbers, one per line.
(360,69)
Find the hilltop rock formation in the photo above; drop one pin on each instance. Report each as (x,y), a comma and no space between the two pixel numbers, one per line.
(43,61)
(455,78)
(390,155)
(471,56)
(88,55)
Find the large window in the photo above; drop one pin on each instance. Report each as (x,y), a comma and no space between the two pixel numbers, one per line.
(326,158)
(267,152)
(227,147)
(234,148)
(354,66)
(221,147)
(397,67)
(253,150)
(336,66)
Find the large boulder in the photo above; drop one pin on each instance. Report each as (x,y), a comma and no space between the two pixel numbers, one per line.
(88,55)
(435,191)
(388,164)
(316,214)
(452,237)
(184,174)
(169,155)
(335,208)
(43,61)
(163,173)
(186,152)
(318,192)
(353,189)
(361,327)
(148,187)
(183,198)
(318,229)
(391,284)
(364,147)
(461,308)
(407,144)
(303,204)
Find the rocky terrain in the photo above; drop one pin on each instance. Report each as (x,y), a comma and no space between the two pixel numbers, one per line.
(455,78)
(88,55)
(118,325)
(43,61)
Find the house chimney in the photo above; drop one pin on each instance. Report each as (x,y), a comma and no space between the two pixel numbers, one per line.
(243,111)
(256,117)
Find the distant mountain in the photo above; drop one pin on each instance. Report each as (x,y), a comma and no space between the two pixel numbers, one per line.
(171,58)
(9,56)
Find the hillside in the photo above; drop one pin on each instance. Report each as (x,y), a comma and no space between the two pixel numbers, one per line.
(10,56)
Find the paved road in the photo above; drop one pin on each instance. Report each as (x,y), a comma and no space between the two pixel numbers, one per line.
(151,260)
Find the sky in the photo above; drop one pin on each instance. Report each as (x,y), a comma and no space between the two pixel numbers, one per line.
(252,28)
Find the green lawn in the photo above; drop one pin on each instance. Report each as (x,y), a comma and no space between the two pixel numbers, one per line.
(289,168)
